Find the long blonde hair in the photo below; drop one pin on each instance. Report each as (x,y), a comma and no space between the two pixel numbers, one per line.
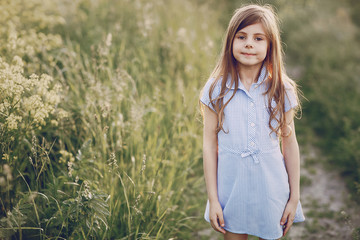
(243,17)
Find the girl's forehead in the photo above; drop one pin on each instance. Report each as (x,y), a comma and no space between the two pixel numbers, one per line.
(256,28)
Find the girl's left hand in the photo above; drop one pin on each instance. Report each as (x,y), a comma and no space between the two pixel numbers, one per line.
(288,215)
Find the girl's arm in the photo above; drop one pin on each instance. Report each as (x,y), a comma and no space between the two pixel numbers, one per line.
(290,150)
(210,167)
(210,153)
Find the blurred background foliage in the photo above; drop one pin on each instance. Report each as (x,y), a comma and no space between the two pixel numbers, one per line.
(109,147)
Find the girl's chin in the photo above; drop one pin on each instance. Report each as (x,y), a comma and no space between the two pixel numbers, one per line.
(249,64)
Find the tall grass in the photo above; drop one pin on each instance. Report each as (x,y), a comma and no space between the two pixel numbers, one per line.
(127,161)
(136,100)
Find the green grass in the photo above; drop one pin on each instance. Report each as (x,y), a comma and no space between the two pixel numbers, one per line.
(128,159)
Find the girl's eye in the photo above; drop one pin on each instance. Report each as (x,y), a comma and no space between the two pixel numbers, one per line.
(258,39)
(241,37)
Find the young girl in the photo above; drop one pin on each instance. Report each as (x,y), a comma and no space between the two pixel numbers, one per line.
(252,186)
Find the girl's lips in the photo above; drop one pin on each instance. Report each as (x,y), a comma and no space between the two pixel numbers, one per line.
(248,54)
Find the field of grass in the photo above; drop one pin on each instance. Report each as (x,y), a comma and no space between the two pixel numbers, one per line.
(100,130)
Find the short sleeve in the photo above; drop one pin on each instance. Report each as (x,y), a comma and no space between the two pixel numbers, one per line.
(290,97)
(204,96)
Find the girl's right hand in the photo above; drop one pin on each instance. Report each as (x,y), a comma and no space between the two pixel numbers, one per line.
(216,214)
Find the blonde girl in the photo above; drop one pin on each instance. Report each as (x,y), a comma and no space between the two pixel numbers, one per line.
(248,106)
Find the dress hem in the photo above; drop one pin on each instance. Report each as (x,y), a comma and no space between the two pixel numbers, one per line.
(252,234)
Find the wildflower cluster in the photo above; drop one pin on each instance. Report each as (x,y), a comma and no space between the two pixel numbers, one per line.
(26,103)
(23,33)
(66,156)
(86,193)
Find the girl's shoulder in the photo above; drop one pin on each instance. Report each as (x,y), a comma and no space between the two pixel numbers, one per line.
(206,91)
(291,96)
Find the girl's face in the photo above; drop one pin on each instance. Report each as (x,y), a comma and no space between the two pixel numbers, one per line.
(250,46)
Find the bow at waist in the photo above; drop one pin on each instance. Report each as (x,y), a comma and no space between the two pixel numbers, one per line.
(244,153)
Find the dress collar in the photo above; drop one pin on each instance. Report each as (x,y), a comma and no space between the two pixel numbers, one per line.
(263,75)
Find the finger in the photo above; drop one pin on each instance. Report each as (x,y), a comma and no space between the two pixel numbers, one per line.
(220,229)
(283,218)
(215,225)
(288,225)
(221,220)
(222,223)
(217,228)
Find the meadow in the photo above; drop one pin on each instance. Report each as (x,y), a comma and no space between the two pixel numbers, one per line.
(100,127)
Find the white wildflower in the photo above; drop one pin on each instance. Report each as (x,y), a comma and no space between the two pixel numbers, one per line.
(87,193)
(54,122)
(61,113)
(137,211)
(136,113)
(7,171)
(143,164)
(105,109)
(108,40)
(182,34)
(70,168)
(12,121)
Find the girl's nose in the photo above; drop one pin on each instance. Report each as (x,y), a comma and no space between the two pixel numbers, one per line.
(248,44)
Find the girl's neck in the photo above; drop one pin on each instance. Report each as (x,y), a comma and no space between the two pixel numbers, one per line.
(248,74)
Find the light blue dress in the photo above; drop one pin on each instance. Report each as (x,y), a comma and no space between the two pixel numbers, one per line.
(252,181)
